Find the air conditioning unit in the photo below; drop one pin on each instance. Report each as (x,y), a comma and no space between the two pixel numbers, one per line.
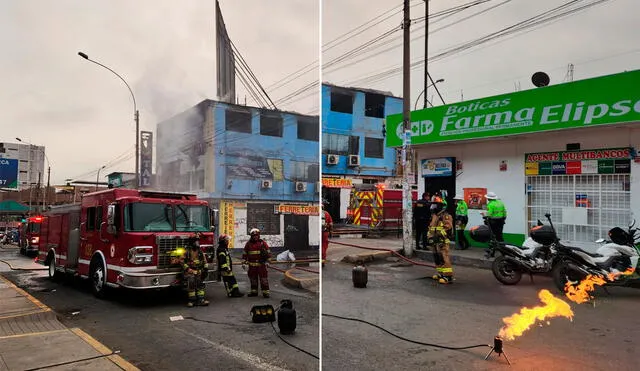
(332,159)
(301,187)
(354,160)
(267,183)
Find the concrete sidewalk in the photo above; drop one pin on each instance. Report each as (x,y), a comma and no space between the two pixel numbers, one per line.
(31,337)
(13,260)
(472,257)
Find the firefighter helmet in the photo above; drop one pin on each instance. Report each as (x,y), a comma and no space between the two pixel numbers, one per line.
(224,238)
(254,231)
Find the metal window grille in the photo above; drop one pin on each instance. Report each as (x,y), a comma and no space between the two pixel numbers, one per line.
(606,197)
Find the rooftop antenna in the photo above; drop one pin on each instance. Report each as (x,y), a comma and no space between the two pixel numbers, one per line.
(569,76)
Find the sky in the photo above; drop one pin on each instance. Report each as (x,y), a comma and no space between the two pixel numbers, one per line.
(164,49)
(598,41)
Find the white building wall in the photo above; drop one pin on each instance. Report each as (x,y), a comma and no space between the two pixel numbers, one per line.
(481,160)
(314,230)
(31,161)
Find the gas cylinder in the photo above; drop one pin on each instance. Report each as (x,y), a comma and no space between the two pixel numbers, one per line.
(359,274)
(286,317)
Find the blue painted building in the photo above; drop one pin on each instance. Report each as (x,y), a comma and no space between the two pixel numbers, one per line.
(261,164)
(353,141)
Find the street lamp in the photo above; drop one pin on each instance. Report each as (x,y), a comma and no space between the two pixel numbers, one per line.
(46,193)
(136,115)
(415,106)
(98,176)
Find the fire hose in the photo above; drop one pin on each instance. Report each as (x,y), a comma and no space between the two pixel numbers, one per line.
(389,250)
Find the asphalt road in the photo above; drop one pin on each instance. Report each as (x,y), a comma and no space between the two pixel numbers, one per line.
(138,325)
(468,312)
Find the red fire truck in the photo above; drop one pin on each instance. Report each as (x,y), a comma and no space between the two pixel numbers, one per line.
(30,235)
(125,238)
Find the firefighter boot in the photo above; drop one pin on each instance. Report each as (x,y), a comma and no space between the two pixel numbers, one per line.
(266,294)
(236,294)
(445,280)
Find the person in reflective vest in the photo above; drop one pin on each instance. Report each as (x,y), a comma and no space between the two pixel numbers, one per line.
(421,220)
(462,218)
(439,231)
(496,215)
(327,225)
(194,266)
(256,255)
(225,267)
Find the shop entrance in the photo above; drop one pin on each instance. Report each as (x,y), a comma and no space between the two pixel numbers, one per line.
(583,207)
(333,196)
(443,181)
(296,232)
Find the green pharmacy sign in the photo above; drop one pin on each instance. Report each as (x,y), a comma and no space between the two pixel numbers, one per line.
(612,99)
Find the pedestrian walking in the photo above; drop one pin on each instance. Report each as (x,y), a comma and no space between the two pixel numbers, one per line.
(257,255)
(225,267)
(439,234)
(421,220)
(461,220)
(496,215)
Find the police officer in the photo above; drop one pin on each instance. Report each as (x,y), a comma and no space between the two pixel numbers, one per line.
(256,255)
(193,271)
(421,219)
(462,218)
(225,267)
(439,230)
(496,215)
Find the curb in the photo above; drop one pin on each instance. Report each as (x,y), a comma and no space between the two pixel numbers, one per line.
(98,346)
(367,257)
(462,261)
(304,283)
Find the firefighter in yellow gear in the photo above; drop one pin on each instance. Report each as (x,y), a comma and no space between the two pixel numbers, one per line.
(194,266)
(439,239)
(225,267)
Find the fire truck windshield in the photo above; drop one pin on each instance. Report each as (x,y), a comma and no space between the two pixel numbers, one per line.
(156,217)
(148,217)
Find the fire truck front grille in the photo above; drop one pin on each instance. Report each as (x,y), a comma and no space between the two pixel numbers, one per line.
(167,246)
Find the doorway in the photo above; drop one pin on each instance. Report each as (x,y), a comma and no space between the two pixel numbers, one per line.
(296,232)
(443,181)
(332,195)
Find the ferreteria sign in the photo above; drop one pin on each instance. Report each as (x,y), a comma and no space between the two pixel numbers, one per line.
(612,99)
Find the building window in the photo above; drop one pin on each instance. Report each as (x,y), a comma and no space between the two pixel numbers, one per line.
(91,219)
(237,120)
(263,217)
(374,105)
(305,171)
(308,128)
(341,102)
(338,144)
(23,171)
(271,125)
(374,147)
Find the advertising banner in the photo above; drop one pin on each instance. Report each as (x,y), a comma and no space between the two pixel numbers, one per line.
(8,173)
(594,161)
(227,220)
(146,155)
(437,167)
(605,100)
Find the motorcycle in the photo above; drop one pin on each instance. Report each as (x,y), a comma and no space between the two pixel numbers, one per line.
(532,257)
(616,260)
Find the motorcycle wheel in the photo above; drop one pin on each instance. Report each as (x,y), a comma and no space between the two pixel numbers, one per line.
(562,275)
(505,271)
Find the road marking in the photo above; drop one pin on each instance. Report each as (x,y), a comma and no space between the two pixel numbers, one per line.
(101,348)
(32,334)
(251,359)
(26,294)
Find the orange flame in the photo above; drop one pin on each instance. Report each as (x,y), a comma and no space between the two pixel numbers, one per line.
(614,276)
(518,323)
(582,292)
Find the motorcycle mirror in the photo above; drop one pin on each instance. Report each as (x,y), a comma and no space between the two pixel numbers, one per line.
(547,215)
(539,222)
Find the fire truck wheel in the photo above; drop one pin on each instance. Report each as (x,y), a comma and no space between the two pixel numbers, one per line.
(53,273)
(98,278)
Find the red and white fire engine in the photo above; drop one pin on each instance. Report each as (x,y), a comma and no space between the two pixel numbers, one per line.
(30,235)
(125,238)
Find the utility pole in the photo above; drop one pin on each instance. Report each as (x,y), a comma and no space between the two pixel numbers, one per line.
(406,140)
(46,192)
(426,50)
(137,119)
(38,193)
